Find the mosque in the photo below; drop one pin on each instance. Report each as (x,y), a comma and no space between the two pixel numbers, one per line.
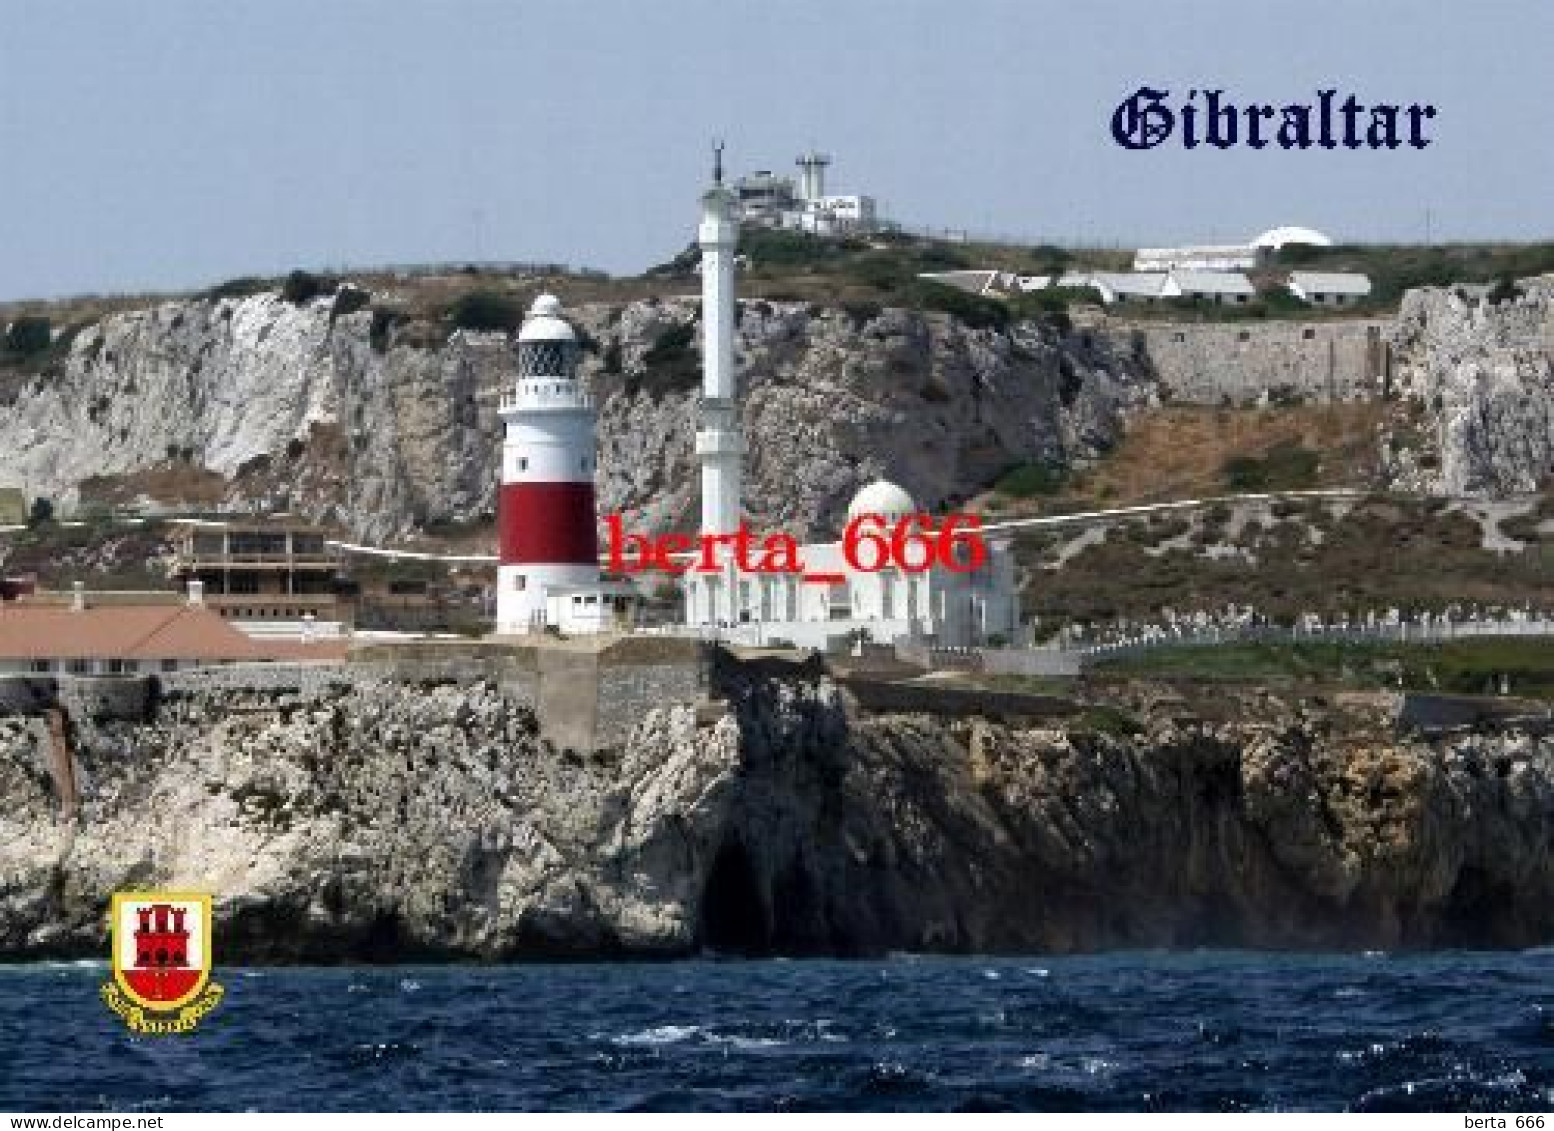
(548,572)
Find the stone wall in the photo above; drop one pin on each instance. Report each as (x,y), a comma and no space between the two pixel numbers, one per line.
(302,677)
(1030,661)
(1243,362)
(627,691)
(585,697)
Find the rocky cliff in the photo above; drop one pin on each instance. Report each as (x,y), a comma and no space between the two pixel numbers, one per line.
(1476,379)
(340,414)
(361,822)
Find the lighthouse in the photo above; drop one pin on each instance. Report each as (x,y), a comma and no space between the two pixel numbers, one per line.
(549,551)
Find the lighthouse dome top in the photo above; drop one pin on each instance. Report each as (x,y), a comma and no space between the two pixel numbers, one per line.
(883,498)
(544,322)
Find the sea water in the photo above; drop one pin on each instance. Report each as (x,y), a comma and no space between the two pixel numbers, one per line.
(1221,1031)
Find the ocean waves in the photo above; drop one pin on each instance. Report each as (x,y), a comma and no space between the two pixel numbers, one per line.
(1155,1031)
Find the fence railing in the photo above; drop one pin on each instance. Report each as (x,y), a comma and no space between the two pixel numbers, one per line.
(1423,632)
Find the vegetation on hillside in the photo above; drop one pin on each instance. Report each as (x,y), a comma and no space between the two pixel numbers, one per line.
(1287,466)
(1467,667)
(859,273)
(671,364)
(28,335)
(1028,480)
(1394,268)
(485,310)
(1285,560)
(30,344)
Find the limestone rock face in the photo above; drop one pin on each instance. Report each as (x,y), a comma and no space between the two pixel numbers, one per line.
(372,820)
(296,407)
(1477,380)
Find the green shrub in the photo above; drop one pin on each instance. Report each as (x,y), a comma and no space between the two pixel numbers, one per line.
(1285,467)
(1030,479)
(861,313)
(485,310)
(1048,259)
(348,300)
(1504,290)
(672,362)
(28,335)
(1105,719)
(301,287)
(1051,305)
(974,310)
(241,287)
(1296,254)
(774,247)
(883,270)
(384,319)
(935,391)
(1281,300)
(673,344)
(1245,473)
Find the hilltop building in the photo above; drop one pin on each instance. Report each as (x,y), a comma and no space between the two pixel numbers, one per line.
(767,200)
(1124,286)
(1226,257)
(972,282)
(1275,239)
(1329,288)
(1227,288)
(1233,257)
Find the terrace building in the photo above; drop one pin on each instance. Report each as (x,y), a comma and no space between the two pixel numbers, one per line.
(264,575)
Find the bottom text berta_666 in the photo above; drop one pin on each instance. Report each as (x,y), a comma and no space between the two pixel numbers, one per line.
(870,542)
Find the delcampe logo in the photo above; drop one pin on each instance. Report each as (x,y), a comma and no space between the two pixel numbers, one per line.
(161,961)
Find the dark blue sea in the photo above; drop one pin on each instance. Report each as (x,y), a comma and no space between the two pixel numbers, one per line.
(1139,1031)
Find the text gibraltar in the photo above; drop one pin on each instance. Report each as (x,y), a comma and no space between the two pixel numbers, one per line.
(1144,120)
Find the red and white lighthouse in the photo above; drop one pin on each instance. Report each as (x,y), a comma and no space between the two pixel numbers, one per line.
(545,512)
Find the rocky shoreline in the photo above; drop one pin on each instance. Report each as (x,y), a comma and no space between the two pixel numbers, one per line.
(372,821)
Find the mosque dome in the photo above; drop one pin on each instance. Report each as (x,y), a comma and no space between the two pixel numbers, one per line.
(1275,238)
(544,322)
(884,499)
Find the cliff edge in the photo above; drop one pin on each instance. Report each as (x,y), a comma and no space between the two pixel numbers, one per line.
(356,821)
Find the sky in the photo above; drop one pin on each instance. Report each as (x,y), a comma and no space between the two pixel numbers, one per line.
(173,144)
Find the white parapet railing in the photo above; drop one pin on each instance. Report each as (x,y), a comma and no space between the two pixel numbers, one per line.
(1402,632)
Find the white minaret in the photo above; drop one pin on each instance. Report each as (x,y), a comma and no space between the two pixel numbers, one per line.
(719,444)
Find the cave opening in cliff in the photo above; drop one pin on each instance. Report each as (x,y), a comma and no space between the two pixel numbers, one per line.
(1482,910)
(734,918)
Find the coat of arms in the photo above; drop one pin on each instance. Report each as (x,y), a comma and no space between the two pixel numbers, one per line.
(161,961)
